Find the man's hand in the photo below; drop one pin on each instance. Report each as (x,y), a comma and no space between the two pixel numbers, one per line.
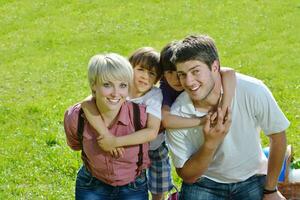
(274,196)
(216,128)
(107,142)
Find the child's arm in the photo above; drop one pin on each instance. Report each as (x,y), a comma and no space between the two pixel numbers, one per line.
(107,141)
(229,84)
(170,121)
(93,116)
(144,135)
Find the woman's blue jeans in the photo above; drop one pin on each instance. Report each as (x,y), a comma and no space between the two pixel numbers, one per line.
(90,188)
(206,189)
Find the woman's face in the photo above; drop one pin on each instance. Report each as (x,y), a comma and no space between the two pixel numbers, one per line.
(110,95)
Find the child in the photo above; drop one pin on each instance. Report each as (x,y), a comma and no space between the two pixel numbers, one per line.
(103,176)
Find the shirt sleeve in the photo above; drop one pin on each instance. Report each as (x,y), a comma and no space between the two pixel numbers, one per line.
(154,102)
(268,114)
(70,126)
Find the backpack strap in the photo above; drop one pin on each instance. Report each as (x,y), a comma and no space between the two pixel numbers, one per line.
(138,126)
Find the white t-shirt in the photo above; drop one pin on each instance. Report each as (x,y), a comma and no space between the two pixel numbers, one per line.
(153,101)
(240,155)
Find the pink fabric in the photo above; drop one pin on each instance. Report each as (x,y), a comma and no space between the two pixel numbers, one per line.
(112,171)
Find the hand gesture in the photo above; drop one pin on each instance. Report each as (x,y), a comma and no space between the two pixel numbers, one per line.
(274,196)
(216,127)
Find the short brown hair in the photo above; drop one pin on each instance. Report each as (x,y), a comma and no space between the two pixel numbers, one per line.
(196,47)
(148,58)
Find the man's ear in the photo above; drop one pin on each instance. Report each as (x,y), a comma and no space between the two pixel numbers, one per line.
(215,66)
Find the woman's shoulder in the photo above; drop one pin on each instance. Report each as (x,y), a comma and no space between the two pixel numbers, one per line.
(73,110)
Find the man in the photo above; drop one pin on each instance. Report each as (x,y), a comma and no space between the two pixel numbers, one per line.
(212,164)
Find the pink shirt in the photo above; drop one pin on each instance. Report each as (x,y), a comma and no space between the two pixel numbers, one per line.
(115,172)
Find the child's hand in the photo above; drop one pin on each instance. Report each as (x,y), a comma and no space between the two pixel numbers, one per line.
(216,128)
(117,152)
(107,142)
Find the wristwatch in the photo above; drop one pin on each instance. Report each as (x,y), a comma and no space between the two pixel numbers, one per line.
(266,191)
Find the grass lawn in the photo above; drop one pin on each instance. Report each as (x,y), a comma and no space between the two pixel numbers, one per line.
(45,47)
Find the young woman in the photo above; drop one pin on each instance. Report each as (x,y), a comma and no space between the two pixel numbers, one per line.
(102,175)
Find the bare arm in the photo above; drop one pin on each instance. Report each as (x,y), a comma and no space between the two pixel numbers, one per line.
(229,85)
(173,121)
(93,116)
(142,136)
(199,161)
(107,141)
(276,157)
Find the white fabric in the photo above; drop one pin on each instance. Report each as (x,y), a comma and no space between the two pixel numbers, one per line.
(240,155)
(153,101)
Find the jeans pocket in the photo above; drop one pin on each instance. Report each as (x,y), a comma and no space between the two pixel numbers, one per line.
(140,183)
(84,178)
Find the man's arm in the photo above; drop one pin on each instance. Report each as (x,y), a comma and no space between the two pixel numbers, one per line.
(276,157)
(199,161)
(197,164)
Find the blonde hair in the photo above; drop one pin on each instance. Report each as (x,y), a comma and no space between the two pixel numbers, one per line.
(106,67)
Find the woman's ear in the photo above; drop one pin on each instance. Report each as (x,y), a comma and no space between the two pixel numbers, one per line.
(93,88)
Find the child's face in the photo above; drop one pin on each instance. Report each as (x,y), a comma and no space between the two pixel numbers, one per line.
(173,81)
(110,95)
(144,79)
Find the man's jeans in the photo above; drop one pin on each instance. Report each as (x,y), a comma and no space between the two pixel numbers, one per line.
(90,188)
(206,189)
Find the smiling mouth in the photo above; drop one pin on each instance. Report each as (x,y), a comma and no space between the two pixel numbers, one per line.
(194,89)
(113,101)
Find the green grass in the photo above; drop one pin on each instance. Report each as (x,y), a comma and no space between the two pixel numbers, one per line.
(45,47)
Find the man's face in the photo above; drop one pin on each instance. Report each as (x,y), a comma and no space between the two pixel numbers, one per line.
(173,80)
(144,79)
(196,78)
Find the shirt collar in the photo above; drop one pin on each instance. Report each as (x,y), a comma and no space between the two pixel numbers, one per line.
(123,114)
(189,108)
